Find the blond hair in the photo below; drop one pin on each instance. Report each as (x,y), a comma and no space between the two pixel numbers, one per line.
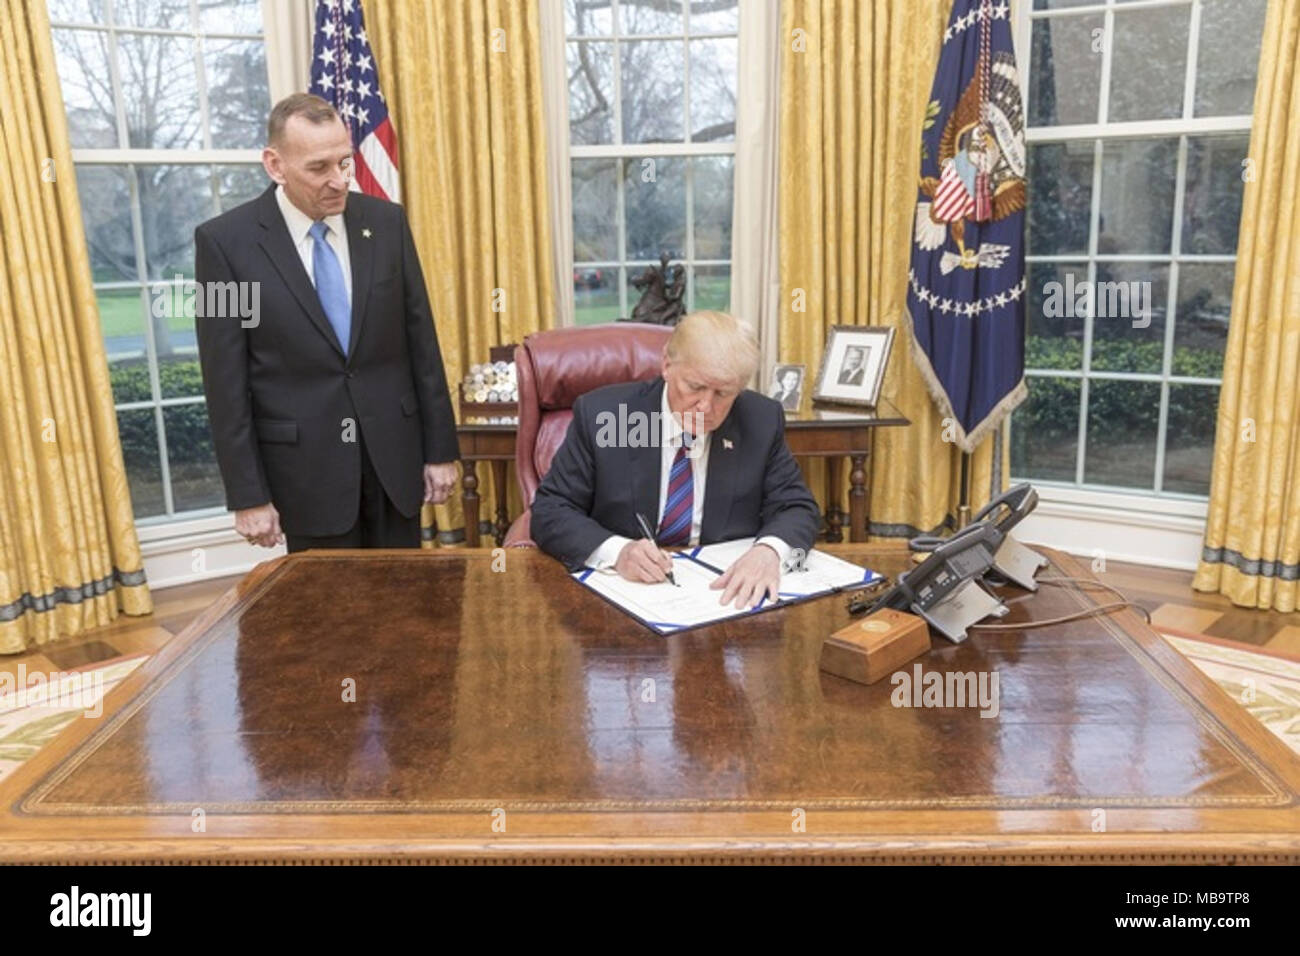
(717,344)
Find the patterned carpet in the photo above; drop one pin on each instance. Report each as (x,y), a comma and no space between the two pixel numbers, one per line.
(1266,683)
(33,712)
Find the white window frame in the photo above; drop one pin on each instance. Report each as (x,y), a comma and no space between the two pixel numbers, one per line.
(170,523)
(634,151)
(1177,505)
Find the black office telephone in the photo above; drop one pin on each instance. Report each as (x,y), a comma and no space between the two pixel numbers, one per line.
(945,588)
(1011,559)
(1018,501)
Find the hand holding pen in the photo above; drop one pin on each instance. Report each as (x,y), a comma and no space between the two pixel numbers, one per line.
(645,530)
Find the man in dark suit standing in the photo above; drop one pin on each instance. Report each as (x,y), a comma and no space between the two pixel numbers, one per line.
(695,452)
(329,409)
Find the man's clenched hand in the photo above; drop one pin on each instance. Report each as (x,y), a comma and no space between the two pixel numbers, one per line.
(439,480)
(260,525)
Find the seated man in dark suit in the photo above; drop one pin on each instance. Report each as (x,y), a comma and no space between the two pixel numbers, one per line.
(696,453)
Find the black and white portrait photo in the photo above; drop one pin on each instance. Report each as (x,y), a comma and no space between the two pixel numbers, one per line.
(787,386)
(853,366)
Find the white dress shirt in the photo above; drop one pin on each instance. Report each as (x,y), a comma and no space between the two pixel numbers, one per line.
(300,224)
(605,556)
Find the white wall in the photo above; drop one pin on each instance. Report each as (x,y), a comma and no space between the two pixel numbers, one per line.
(1159,532)
(181,552)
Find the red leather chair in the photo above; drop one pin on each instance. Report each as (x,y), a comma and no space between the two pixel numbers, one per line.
(556,367)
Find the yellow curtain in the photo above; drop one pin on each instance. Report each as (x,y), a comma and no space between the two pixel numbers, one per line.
(69,557)
(463,84)
(855,79)
(1252,535)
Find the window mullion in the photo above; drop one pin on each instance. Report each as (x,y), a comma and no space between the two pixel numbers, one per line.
(115,79)
(618,73)
(1171,308)
(1193,52)
(1107,56)
(1094,217)
(690,233)
(205,119)
(620,219)
(620,170)
(1094,224)
(686,79)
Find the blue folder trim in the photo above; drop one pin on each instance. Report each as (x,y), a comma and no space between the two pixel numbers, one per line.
(703,564)
(583,575)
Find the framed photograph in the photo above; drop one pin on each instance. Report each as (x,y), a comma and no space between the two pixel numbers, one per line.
(854,365)
(787,386)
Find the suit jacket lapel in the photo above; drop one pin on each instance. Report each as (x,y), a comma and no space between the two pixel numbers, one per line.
(645,460)
(279,248)
(720,484)
(361,254)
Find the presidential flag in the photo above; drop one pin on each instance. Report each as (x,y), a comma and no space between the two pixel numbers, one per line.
(343,72)
(966,285)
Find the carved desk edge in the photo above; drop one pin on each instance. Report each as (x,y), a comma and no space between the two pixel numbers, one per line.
(1268,836)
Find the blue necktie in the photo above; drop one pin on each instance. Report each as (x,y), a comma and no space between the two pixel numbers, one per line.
(675,527)
(331,291)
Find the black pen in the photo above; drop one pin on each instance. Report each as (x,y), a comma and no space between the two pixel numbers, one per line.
(645,530)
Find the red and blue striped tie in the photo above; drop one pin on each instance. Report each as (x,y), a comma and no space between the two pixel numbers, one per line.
(675,528)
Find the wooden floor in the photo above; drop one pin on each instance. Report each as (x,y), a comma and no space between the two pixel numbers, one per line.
(174,609)
(1167,594)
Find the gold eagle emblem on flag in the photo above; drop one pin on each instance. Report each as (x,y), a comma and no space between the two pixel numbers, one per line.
(981,156)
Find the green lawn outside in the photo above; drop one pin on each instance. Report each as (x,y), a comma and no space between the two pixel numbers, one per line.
(121,313)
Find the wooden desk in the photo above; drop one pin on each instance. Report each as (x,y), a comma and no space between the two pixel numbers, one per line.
(521,692)
(835,433)
(496,444)
(830,433)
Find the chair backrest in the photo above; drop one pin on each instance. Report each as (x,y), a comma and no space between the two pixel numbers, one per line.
(556,367)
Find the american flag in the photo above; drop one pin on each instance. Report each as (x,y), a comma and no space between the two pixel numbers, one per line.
(343,72)
(953,200)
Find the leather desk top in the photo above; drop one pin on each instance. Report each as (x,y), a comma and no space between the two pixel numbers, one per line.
(514,714)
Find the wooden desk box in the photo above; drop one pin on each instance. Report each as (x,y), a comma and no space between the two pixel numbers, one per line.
(878,644)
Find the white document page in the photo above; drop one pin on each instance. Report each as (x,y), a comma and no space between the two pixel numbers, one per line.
(821,571)
(692,602)
(663,606)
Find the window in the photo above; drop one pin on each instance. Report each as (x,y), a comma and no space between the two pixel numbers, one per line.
(1138,127)
(166,101)
(652,128)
